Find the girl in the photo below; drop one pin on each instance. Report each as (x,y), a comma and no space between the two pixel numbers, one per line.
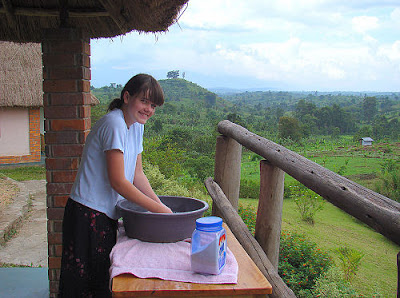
(111,168)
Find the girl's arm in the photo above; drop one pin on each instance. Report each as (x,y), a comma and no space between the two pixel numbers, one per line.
(116,175)
(141,181)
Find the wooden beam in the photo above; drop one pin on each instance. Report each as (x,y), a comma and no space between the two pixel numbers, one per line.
(115,10)
(376,210)
(35,12)
(9,11)
(250,245)
(64,13)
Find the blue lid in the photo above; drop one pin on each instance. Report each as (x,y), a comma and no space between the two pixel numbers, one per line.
(209,223)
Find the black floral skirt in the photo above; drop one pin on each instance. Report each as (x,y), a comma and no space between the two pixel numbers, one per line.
(88,237)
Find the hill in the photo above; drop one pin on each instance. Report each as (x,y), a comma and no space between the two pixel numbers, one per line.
(174,90)
(376,115)
(180,89)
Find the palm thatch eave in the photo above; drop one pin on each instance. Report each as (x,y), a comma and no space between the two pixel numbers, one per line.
(24,21)
(20,75)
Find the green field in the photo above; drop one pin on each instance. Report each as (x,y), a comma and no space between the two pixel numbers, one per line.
(334,228)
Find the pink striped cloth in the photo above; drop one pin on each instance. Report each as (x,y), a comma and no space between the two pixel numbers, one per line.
(167,261)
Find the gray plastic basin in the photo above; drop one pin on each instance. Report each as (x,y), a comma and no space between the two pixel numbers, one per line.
(162,227)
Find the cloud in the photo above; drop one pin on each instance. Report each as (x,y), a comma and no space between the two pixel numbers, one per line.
(395,16)
(391,53)
(309,45)
(363,24)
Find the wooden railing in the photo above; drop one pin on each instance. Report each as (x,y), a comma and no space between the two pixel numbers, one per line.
(375,210)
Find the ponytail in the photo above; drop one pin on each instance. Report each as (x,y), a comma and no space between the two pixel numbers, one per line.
(115,104)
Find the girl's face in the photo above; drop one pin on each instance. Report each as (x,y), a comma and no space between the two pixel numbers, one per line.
(137,108)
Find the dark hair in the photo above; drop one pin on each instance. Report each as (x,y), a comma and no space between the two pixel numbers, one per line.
(140,83)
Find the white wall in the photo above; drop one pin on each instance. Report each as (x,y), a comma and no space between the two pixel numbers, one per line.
(14,131)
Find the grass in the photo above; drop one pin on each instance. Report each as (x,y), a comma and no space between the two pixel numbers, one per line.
(24,173)
(361,164)
(6,265)
(333,227)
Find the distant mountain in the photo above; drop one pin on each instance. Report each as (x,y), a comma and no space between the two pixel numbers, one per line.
(221,91)
(225,91)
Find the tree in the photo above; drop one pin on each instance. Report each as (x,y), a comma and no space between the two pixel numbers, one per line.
(279,112)
(380,127)
(364,131)
(369,108)
(235,118)
(157,126)
(173,74)
(304,108)
(180,137)
(394,125)
(211,99)
(289,127)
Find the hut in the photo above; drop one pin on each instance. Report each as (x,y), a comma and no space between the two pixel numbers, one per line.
(64,29)
(367,141)
(21,102)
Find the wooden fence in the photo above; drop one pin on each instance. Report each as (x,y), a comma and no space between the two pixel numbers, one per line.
(375,210)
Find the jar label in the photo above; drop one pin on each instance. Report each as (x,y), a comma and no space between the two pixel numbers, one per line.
(222,251)
(208,252)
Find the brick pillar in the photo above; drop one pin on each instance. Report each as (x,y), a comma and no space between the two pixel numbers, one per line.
(66,87)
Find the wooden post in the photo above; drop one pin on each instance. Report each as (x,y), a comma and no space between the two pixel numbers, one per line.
(228,157)
(269,213)
(398,275)
(250,245)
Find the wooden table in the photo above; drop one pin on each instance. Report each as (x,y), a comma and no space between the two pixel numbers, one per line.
(251,282)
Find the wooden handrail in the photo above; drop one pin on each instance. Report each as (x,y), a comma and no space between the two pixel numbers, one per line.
(377,211)
(250,245)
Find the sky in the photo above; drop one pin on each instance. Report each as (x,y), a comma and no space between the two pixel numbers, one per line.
(288,45)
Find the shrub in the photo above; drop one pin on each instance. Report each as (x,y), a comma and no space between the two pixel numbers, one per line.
(288,191)
(168,158)
(171,187)
(248,215)
(200,166)
(331,284)
(389,185)
(350,260)
(249,189)
(307,202)
(301,263)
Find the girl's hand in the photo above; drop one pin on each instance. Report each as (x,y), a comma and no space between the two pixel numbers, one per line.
(166,208)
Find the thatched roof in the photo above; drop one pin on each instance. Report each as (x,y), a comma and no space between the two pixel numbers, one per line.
(23,20)
(94,101)
(20,75)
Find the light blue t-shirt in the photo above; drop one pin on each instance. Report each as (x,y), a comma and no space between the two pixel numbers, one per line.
(92,187)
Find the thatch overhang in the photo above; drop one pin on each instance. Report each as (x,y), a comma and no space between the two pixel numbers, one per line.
(21,75)
(23,21)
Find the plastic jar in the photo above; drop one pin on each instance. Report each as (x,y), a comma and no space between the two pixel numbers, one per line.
(208,248)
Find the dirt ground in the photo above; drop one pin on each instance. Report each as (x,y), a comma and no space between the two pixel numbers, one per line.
(8,190)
